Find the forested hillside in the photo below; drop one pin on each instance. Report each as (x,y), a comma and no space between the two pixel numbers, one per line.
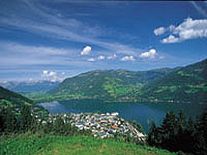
(187,84)
(182,84)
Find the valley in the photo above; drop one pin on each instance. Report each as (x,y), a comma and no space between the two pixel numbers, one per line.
(103,77)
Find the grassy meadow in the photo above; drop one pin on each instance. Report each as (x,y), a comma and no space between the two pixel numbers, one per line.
(37,144)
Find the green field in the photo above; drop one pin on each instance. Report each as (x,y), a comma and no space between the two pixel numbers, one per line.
(35,144)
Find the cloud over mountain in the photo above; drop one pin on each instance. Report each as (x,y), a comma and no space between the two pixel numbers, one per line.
(149,54)
(52,76)
(128,58)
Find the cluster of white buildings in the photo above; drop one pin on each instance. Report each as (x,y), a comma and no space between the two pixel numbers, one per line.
(100,125)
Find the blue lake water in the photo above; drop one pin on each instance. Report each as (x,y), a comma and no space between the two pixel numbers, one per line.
(143,113)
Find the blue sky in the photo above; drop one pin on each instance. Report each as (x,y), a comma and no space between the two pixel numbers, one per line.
(56,39)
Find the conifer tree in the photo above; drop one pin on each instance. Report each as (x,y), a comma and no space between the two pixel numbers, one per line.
(152,135)
(168,125)
(26,117)
(8,120)
(200,146)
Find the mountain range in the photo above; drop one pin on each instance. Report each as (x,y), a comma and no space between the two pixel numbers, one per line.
(181,84)
(29,86)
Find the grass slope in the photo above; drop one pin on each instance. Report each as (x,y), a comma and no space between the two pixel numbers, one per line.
(63,145)
(12,97)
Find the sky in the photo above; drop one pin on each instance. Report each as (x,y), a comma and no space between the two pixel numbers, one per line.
(55,39)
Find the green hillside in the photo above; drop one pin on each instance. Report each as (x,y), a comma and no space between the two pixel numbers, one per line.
(183,84)
(108,85)
(64,145)
(11,98)
(187,84)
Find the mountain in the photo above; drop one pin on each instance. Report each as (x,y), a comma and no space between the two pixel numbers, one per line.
(187,84)
(29,87)
(9,97)
(181,84)
(108,85)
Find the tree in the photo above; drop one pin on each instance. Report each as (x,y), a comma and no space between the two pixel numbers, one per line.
(184,135)
(200,146)
(8,120)
(181,122)
(152,135)
(177,134)
(203,124)
(26,117)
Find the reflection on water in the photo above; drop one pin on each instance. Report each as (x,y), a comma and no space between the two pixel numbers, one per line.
(54,107)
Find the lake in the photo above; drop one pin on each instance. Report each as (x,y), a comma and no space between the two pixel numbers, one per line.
(143,113)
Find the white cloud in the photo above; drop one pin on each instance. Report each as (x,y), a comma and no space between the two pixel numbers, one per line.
(149,54)
(128,58)
(188,29)
(86,50)
(114,56)
(50,76)
(45,72)
(101,57)
(91,60)
(159,31)
(170,39)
